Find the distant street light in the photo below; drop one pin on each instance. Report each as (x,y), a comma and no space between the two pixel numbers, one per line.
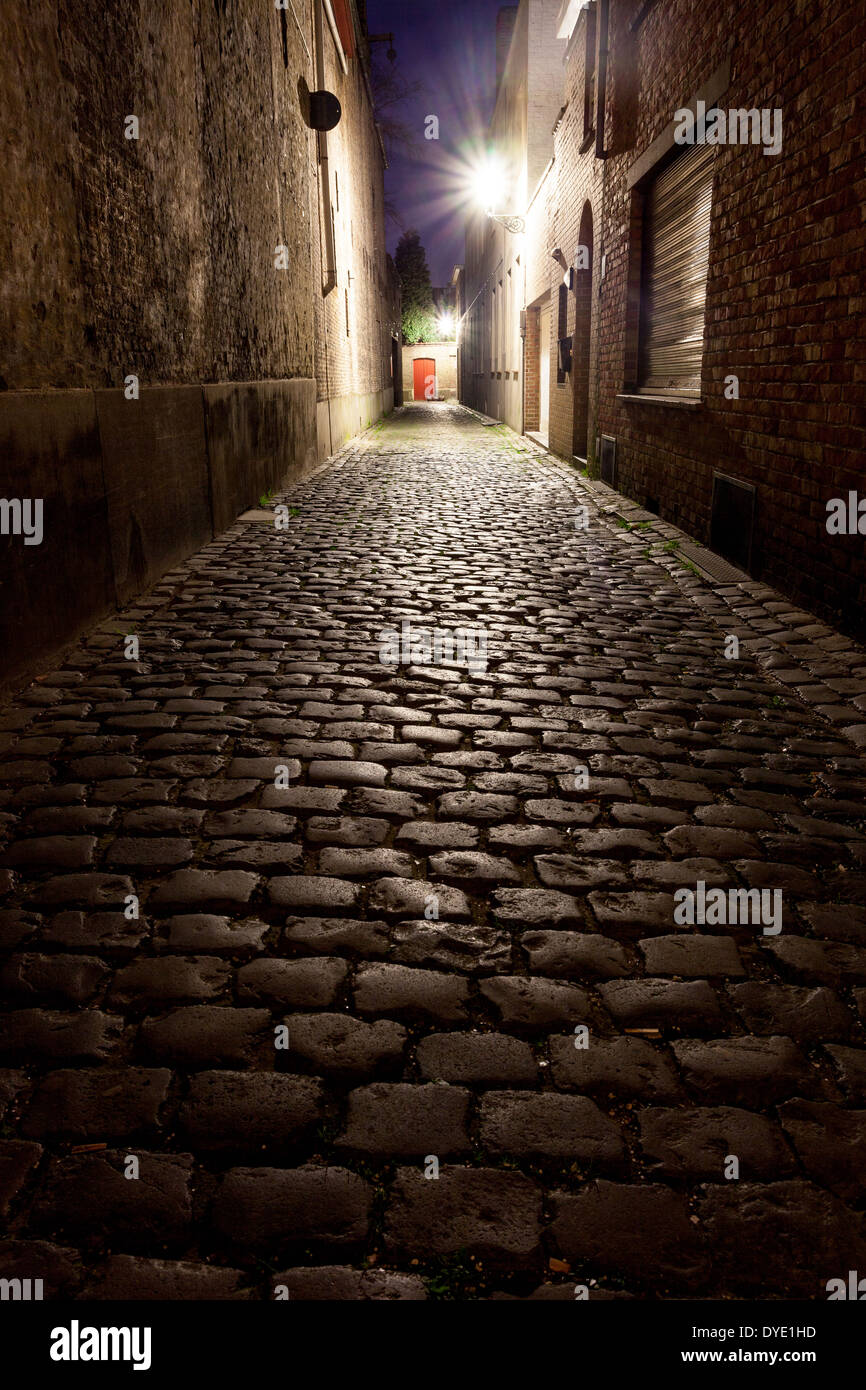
(489,186)
(445,324)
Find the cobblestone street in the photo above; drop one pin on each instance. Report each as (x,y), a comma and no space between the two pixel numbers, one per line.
(376,904)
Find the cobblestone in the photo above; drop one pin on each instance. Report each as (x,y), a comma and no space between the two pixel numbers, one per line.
(267,901)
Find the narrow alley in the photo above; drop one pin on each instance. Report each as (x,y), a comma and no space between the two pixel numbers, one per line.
(333,978)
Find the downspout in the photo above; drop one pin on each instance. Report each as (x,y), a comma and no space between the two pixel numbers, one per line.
(325,195)
(335,34)
(324,168)
(595,405)
(603,27)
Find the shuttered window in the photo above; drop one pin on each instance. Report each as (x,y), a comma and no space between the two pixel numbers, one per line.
(676,245)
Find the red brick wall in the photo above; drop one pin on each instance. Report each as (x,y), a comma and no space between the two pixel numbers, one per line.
(577,182)
(785,305)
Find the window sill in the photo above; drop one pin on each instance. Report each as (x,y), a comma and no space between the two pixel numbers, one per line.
(588,141)
(678,402)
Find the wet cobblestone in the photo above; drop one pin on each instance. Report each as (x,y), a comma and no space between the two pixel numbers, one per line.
(296,926)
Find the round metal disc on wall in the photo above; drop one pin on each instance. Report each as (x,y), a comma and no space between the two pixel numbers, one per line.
(325,110)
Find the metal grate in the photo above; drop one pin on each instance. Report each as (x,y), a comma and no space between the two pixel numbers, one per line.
(710,565)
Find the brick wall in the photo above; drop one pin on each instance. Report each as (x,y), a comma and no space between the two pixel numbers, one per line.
(574,209)
(784,294)
(497,262)
(531,357)
(444,355)
(785,306)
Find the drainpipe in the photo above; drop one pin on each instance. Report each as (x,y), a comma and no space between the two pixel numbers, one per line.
(324,171)
(594,405)
(603,27)
(332,24)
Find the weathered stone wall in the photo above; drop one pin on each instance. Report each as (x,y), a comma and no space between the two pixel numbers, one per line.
(154,256)
(355,322)
(159,258)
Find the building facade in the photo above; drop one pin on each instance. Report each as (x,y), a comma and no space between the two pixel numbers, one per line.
(196,302)
(708,354)
(493,282)
(430,371)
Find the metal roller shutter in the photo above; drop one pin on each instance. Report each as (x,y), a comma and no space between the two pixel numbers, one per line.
(676,247)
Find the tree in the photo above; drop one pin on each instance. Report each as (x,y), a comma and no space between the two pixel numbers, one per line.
(419,319)
(393,95)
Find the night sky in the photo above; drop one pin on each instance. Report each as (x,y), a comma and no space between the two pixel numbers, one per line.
(449,46)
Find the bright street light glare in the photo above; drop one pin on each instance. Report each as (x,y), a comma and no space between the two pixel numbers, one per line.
(445,323)
(488,185)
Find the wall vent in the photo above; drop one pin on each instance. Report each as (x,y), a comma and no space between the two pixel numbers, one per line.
(608,460)
(732,520)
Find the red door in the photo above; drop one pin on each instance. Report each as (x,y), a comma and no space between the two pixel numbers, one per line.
(424,378)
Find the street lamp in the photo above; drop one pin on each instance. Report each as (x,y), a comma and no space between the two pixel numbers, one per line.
(488,191)
(445,324)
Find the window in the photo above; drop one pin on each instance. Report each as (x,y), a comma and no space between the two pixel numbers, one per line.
(675,255)
(589,77)
(562,335)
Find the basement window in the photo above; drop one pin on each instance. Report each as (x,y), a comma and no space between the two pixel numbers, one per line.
(732,520)
(675,256)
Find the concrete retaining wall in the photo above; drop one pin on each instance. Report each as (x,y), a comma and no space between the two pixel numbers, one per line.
(129,489)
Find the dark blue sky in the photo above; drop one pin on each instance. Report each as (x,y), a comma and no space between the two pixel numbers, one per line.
(449,46)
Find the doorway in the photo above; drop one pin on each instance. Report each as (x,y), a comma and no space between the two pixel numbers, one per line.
(544,372)
(424,379)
